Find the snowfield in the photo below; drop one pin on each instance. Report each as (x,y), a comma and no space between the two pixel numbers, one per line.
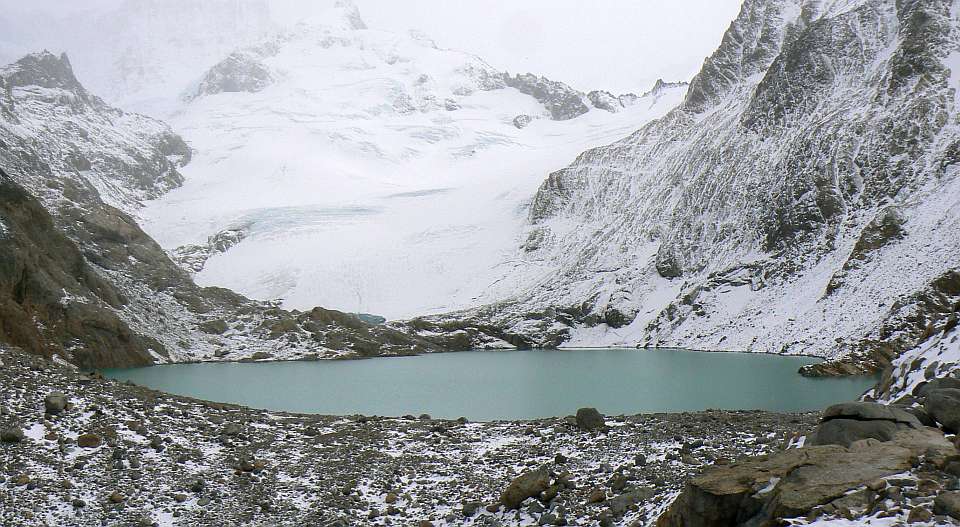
(375,173)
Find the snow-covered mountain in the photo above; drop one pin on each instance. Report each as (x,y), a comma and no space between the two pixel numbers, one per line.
(803,198)
(370,171)
(138,53)
(81,282)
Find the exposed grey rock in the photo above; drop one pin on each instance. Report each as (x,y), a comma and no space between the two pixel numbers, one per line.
(527,485)
(948,503)
(944,405)
(55,403)
(604,100)
(562,101)
(240,72)
(935,384)
(521,121)
(866,411)
(590,419)
(214,327)
(730,494)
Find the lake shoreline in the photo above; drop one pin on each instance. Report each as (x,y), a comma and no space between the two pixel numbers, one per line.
(489,385)
(282,468)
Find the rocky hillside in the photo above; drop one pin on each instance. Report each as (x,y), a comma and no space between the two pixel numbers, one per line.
(81,281)
(801,199)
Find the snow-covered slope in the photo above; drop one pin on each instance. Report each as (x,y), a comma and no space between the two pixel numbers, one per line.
(798,200)
(81,281)
(370,171)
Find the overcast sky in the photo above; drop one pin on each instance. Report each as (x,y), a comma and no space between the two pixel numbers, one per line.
(618,45)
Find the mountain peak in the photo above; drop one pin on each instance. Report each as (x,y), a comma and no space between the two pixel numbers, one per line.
(43,69)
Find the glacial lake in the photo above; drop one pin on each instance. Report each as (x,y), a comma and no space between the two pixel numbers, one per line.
(492,385)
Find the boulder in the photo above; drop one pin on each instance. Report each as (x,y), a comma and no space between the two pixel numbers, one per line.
(214,327)
(944,406)
(89,441)
(845,423)
(845,432)
(864,411)
(763,490)
(936,384)
(55,403)
(11,435)
(948,504)
(590,419)
(527,485)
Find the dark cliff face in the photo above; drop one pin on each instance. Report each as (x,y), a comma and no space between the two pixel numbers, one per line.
(40,269)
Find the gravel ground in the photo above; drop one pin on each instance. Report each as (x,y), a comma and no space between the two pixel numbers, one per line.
(120,454)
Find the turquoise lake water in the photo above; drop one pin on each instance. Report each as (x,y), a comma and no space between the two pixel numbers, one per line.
(491,385)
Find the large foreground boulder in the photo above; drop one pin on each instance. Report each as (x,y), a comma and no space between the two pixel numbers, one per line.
(845,423)
(944,406)
(763,490)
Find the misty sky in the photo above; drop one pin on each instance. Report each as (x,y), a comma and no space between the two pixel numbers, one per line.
(618,45)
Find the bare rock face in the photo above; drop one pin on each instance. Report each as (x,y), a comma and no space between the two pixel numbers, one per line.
(791,155)
(240,72)
(944,406)
(562,101)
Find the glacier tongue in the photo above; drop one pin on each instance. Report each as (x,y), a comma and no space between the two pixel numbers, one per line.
(370,171)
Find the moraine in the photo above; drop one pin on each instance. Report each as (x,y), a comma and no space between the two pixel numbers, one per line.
(495,385)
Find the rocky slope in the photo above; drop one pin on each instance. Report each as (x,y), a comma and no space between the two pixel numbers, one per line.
(81,280)
(102,451)
(81,450)
(801,199)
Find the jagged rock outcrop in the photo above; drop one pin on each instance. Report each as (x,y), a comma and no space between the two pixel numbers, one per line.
(562,101)
(240,72)
(194,257)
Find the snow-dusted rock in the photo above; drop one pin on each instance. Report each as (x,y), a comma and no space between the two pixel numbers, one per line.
(802,199)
